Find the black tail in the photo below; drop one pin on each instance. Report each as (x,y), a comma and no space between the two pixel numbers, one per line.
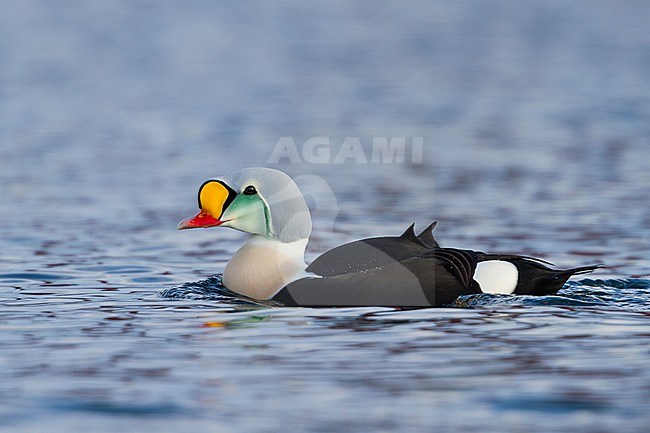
(539,280)
(583,270)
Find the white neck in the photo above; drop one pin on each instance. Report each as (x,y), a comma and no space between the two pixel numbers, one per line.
(263,266)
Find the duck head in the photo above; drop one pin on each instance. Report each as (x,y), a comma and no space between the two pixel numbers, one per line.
(260,201)
(268,204)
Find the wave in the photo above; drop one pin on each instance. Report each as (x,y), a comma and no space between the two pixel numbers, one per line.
(629,294)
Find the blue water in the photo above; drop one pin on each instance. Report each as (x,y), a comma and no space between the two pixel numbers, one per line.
(536,127)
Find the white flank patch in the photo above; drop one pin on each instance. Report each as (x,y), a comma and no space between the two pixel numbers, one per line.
(496,276)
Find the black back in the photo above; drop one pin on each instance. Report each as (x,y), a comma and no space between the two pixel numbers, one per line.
(404,271)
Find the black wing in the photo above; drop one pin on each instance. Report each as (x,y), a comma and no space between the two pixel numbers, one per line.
(365,254)
(374,252)
(431,279)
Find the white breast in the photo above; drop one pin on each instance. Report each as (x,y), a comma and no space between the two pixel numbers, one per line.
(263,266)
(496,276)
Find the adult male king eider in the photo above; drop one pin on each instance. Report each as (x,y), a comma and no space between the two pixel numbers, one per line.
(403,271)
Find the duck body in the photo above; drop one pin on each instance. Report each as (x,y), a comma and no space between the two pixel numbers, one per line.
(412,271)
(399,271)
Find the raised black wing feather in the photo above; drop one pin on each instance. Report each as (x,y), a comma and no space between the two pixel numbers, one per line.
(427,238)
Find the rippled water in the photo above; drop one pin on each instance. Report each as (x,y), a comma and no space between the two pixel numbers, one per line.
(536,124)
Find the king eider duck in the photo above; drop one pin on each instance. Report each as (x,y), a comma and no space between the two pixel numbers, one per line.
(402,271)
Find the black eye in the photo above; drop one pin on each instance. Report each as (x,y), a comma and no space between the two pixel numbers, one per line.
(250,190)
